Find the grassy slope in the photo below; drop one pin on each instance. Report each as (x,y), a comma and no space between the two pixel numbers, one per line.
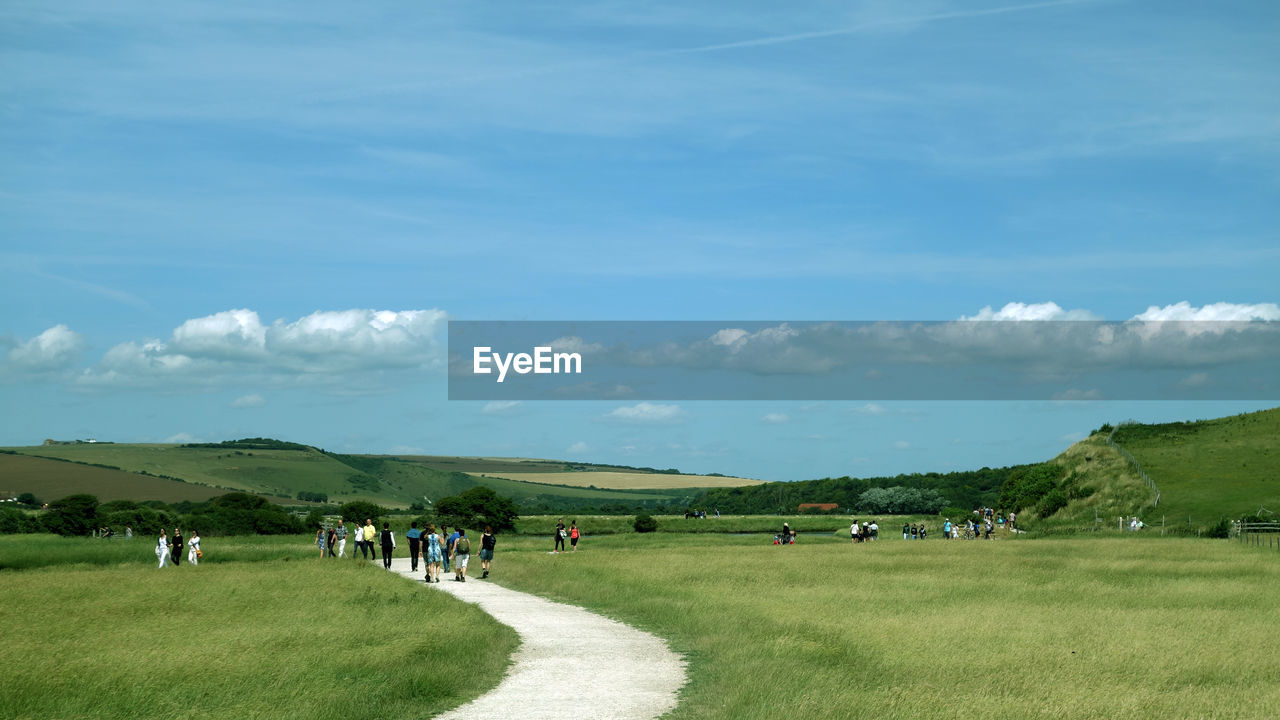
(1092,628)
(631,480)
(1211,468)
(236,640)
(51,479)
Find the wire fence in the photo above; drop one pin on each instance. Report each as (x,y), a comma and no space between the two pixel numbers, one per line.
(1133,461)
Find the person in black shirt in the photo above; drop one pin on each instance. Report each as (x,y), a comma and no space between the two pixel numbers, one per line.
(487,543)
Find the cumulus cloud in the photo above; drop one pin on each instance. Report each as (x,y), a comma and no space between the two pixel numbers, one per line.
(1216,312)
(54,349)
(1017,311)
(337,347)
(775,418)
(249,401)
(870,409)
(578,448)
(647,414)
(901,445)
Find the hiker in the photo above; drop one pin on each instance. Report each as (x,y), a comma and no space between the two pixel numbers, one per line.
(853,533)
(946,529)
(193,548)
(433,553)
(574,535)
(340,534)
(461,553)
(415,545)
(445,546)
(488,542)
(369,534)
(162,549)
(330,539)
(906,531)
(875,530)
(177,546)
(320,539)
(560,535)
(388,544)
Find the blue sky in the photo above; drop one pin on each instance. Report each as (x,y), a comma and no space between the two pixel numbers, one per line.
(230,219)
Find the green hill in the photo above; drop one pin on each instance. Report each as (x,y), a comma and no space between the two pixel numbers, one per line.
(1204,471)
(283,470)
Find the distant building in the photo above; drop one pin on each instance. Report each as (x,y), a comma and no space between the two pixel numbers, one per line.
(819,507)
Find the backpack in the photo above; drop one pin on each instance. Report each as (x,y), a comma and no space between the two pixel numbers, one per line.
(462,547)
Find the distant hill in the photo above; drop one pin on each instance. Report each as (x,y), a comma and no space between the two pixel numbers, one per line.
(287,471)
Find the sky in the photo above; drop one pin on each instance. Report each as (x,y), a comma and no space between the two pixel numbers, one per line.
(222,220)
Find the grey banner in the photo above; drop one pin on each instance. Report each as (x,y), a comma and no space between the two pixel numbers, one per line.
(864,360)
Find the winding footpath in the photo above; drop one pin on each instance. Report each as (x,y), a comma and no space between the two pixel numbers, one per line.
(570,663)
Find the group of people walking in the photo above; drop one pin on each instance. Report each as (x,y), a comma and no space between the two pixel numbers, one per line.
(169,549)
(437,549)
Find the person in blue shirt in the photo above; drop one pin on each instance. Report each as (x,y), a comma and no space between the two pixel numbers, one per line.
(448,546)
(415,544)
(946,529)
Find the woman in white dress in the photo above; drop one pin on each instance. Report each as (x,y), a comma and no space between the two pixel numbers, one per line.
(162,549)
(193,548)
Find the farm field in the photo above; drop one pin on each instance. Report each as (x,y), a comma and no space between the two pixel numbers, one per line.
(261,633)
(627,480)
(1044,628)
(53,479)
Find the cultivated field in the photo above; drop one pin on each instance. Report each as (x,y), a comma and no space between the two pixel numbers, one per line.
(53,479)
(627,480)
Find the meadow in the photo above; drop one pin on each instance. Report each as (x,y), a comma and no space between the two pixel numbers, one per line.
(1029,628)
(627,480)
(262,628)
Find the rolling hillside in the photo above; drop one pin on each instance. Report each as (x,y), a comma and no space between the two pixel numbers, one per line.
(282,470)
(1205,470)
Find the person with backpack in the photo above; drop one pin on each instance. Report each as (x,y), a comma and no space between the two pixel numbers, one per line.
(388,541)
(461,552)
(487,543)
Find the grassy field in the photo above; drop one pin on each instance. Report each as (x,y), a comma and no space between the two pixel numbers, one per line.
(259,636)
(1048,628)
(731,524)
(1212,468)
(53,479)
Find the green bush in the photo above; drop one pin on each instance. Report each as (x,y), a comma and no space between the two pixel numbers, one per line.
(1221,529)
(1052,502)
(645,523)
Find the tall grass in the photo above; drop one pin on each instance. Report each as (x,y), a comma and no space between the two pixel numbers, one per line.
(1081,628)
(21,552)
(239,640)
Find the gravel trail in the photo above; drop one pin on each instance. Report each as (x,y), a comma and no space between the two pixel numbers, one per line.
(570,663)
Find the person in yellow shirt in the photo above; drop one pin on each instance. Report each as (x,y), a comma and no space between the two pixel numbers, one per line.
(368,532)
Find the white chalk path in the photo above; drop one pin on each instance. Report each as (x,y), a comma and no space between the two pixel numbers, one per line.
(571,663)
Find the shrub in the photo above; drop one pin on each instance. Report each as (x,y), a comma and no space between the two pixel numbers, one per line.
(1052,502)
(645,523)
(72,515)
(1221,529)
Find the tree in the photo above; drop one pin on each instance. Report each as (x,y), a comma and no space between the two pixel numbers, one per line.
(477,507)
(29,500)
(645,523)
(72,515)
(358,510)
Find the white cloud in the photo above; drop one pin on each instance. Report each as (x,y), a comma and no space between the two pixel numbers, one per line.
(182,438)
(1216,312)
(775,418)
(647,413)
(901,445)
(501,407)
(574,344)
(340,348)
(1016,311)
(55,348)
(578,448)
(249,401)
(1078,394)
(870,409)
